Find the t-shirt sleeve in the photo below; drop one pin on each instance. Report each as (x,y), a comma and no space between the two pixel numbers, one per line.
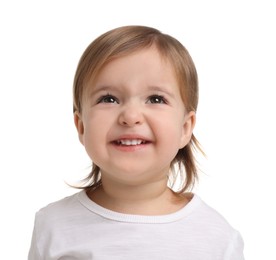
(235,249)
(33,251)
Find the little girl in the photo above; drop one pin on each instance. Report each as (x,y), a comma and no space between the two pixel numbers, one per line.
(135,101)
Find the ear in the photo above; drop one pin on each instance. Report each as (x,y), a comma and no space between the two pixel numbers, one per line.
(79,125)
(188,127)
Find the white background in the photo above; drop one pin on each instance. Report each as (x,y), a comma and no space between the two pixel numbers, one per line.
(233,46)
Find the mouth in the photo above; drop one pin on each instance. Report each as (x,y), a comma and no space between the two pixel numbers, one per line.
(130,142)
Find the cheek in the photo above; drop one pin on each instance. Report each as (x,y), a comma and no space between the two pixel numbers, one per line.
(91,132)
(169,131)
(96,131)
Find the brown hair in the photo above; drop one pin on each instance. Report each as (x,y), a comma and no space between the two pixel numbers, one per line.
(123,41)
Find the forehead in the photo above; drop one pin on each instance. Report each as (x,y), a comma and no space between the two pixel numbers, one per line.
(147,64)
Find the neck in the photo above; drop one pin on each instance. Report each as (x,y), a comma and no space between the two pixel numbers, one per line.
(148,199)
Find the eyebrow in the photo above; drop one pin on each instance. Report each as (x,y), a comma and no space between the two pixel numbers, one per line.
(101,88)
(161,89)
(114,88)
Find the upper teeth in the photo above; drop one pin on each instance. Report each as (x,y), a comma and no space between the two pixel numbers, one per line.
(130,142)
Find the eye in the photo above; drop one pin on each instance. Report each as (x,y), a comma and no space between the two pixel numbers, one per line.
(156,99)
(108,99)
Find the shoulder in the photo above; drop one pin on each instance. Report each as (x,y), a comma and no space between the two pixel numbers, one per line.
(63,203)
(208,214)
(57,211)
(211,231)
(213,225)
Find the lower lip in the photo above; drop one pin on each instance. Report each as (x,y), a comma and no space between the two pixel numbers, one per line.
(130,148)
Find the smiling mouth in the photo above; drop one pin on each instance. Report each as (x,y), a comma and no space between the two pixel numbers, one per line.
(130,142)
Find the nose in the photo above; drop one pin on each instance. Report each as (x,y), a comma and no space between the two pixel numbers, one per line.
(131,115)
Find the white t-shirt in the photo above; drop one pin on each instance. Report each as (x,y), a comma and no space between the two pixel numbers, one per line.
(77,228)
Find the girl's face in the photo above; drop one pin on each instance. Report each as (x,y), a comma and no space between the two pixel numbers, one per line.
(133,121)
